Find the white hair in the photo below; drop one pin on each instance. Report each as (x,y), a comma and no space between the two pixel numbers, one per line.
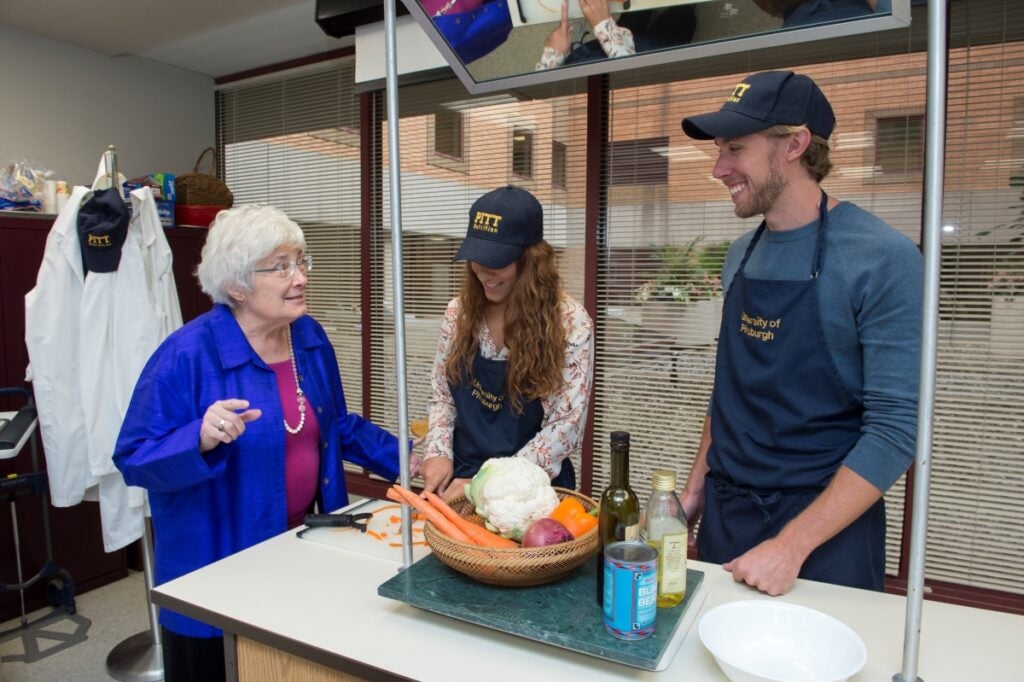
(238,239)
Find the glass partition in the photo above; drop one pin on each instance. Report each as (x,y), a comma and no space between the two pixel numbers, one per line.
(500,44)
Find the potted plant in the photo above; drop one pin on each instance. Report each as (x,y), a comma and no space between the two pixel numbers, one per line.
(683,296)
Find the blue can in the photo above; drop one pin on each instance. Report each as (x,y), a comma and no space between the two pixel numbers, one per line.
(630,589)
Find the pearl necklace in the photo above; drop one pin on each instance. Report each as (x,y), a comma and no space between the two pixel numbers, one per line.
(300,397)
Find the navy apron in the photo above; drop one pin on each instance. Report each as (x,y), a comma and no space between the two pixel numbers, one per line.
(782,421)
(486,426)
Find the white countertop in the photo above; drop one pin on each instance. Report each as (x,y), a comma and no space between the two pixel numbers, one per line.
(320,602)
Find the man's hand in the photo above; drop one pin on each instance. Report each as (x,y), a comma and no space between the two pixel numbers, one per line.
(560,39)
(692,498)
(693,507)
(772,567)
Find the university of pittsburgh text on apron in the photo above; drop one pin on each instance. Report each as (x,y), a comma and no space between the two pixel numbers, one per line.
(781,423)
(486,425)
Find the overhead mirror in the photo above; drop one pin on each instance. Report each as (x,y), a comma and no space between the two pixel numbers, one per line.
(499,44)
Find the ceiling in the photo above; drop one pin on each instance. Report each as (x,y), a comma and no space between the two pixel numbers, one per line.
(212,37)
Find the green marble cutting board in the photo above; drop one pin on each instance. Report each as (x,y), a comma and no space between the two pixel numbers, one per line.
(564,613)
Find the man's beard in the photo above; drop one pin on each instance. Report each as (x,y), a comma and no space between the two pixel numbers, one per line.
(763,197)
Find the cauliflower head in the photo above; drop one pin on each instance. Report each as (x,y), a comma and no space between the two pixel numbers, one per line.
(510,493)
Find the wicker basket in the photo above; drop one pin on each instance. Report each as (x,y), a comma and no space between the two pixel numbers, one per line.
(519,567)
(203,189)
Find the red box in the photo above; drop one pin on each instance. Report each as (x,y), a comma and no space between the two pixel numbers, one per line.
(195,215)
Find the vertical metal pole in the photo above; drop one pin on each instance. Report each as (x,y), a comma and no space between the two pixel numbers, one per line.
(935,143)
(110,160)
(394,178)
(147,569)
(140,658)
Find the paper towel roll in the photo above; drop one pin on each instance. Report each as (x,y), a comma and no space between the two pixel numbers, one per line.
(49,196)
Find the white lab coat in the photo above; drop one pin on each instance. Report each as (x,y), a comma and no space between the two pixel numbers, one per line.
(88,339)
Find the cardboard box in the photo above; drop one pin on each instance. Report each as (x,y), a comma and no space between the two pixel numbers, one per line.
(161,184)
(165,209)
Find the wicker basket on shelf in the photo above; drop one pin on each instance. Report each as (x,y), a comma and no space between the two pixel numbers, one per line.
(203,189)
(519,567)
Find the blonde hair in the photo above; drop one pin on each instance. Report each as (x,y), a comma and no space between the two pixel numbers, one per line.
(815,158)
(534,333)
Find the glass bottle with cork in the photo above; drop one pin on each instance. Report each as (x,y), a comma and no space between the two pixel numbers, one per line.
(619,518)
(664,527)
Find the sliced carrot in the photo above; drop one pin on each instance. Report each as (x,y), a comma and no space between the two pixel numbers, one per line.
(400,494)
(478,534)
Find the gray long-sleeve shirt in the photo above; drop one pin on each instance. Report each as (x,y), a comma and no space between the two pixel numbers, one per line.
(871,290)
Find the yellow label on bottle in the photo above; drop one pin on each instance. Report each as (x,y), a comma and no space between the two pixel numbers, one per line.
(672,563)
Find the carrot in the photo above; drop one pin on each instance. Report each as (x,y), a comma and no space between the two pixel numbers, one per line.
(478,534)
(400,494)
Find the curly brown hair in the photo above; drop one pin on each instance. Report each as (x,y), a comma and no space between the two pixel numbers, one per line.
(534,333)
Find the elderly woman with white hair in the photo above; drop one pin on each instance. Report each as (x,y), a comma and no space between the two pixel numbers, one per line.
(238,424)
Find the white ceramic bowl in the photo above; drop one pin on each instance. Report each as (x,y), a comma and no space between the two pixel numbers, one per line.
(767,640)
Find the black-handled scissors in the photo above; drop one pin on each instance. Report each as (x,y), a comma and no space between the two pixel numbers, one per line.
(358,521)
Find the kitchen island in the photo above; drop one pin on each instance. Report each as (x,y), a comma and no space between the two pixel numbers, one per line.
(297,609)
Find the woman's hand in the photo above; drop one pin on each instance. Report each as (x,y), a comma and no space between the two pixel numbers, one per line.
(415,458)
(222,422)
(456,488)
(436,473)
(560,39)
(595,11)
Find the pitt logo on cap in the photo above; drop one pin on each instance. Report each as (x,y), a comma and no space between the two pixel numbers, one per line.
(100,241)
(487,222)
(737,93)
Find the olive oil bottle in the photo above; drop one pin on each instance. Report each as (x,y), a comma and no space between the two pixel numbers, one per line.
(619,518)
(664,528)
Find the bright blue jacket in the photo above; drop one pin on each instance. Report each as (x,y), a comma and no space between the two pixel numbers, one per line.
(207,506)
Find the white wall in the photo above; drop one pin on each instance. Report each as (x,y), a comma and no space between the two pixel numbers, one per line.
(62,105)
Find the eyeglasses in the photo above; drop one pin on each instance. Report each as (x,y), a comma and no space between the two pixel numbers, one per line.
(287,270)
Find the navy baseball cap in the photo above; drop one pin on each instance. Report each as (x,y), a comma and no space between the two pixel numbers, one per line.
(102,229)
(502,223)
(763,100)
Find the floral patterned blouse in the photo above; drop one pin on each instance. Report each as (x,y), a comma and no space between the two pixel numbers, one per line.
(565,411)
(615,40)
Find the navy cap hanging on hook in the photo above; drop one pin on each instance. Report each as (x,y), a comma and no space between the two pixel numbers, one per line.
(102,229)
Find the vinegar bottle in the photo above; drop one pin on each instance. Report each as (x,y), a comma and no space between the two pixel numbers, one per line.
(664,528)
(619,518)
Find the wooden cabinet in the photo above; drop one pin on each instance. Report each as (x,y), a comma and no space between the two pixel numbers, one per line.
(76,531)
(187,246)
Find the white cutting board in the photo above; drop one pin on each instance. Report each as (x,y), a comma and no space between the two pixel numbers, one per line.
(383,536)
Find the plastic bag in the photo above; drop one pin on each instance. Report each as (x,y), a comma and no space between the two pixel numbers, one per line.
(22,185)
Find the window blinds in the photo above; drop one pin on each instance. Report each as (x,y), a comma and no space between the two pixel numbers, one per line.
(534,141)
(294,139)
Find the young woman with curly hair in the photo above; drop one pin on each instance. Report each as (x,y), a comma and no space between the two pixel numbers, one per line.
(515,364)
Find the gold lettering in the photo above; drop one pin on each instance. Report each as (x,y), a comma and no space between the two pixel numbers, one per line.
(737,93)
(486,222)
(489,400)
(99,240)
(759,334)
